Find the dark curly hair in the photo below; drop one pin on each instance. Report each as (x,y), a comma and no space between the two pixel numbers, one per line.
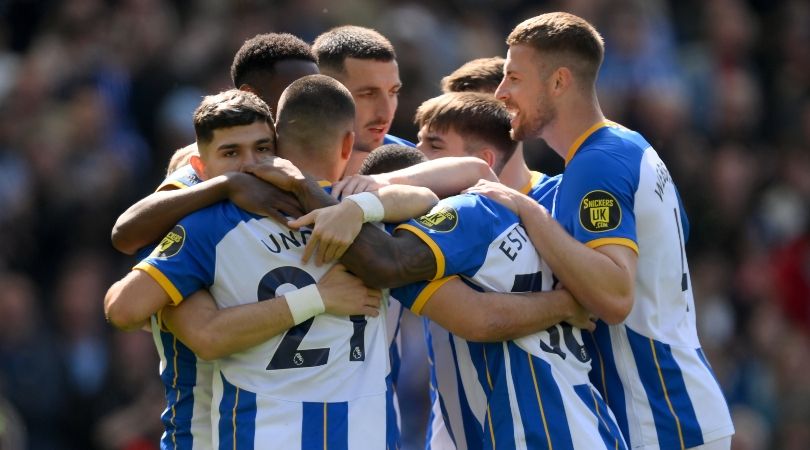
(261,52)
(390,157)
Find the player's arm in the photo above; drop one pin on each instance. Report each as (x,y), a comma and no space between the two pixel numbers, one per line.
(444,176)
(213,333)
(600,278)
(379,259)
(382,260)
(153,216)
(494,316)
(335,227)
(130,301)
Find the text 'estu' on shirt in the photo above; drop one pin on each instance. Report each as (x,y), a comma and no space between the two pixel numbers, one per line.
(527,393)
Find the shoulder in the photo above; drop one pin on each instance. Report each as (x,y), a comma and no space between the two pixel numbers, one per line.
(477,204)
(465,211)
(203,229)
(181,178)
(613,143)
(218,218)
(613,152)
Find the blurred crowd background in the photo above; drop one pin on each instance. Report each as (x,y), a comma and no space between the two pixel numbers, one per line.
(96,94)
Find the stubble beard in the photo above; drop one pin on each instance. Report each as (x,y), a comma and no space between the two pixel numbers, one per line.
(543,115)
(365,146)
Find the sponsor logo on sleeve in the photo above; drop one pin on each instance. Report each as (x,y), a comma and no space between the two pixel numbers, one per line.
(599,211)
(171,244)
(441,219)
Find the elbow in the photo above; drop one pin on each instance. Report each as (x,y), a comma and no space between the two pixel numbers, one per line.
(429,197)
(120,243)
(431,200)
(204,343)
(118,315)
(620,308)
(206,349)
(484,170)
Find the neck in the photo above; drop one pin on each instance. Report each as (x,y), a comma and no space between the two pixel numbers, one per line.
(355,162)
(515,174)
(316,166)
(573,119)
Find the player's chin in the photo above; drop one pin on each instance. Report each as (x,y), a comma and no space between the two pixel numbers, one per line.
(372,142)
(517,134)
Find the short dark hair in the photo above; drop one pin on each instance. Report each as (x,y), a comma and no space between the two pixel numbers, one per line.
(565,34)
(350,41)
(230,108)
(478,75)
(390,157)
(475,116)
(312,110)
(261,53)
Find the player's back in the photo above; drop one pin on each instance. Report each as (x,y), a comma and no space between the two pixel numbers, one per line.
(650,368)
(323,380)
(542,188)
(531,392)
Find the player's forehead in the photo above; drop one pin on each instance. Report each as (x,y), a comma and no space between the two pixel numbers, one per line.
(445,134)
(370,73)
(242,134)
(521,58)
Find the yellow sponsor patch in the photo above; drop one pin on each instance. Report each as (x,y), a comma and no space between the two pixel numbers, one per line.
(171,244)
(599,211)
(441,219)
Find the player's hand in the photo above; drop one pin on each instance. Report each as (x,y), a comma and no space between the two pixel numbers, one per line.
(344,294)
(335,228)
(355,184)
(578,317)
(278,172)
(259,197)
(496,191)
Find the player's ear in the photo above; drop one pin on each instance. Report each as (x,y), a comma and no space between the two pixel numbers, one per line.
(561,80)
(488,155)
(198,165)
(346,145)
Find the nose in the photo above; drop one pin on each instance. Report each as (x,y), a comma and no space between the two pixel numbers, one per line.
(249,158)
(385,107)
(421,147)
(501,91)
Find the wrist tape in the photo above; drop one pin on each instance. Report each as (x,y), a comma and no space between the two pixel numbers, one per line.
(373,209)
(305,303)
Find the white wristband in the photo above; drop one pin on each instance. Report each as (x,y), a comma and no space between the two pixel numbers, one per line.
(373,209)
(305,303)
